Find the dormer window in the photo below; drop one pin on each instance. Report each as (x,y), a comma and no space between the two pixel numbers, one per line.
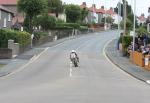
(9,17)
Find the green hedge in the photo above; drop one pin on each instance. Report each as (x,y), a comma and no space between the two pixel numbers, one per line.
(68,25)
(23,38)
(40,35)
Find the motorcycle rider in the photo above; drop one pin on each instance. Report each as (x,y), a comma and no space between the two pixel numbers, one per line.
(73,55)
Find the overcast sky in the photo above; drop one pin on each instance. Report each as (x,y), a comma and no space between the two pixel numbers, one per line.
(142,5)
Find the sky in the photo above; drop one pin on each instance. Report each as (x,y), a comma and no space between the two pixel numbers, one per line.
(141,5)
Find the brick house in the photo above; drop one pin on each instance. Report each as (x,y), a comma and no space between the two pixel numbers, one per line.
(6,17)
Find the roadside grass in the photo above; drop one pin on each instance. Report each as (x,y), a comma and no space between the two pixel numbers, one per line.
(1,65)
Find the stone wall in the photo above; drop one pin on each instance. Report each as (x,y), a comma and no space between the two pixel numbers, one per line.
(5,53)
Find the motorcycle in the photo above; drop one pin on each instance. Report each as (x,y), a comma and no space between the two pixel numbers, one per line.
(75,61)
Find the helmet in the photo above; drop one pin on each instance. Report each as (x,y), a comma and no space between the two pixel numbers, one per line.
(73,51)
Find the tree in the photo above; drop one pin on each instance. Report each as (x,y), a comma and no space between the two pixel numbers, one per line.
(45,21)
(73,13)
(129,8)
(55,6)
(109,20)
(32,8)
(129,25)
(84,13)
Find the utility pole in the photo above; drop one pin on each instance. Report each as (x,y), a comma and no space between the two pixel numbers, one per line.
(105,26)
(125,16)
(119,15)
(134,24)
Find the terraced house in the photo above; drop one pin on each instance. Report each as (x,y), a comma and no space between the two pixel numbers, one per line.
(6,17)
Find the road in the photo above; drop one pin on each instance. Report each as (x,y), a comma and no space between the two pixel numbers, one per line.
(51,79)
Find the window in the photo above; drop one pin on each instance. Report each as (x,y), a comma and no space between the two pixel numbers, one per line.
(9,17)
(0,14)
(4,23)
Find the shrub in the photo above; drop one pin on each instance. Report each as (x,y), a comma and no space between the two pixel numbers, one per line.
(47,22)
(68,25)
(141,31)
(40,35)
(23,38)
(83,28)
(126,41)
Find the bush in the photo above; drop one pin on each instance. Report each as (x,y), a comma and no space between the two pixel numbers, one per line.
(40,35)
(129,24)
(68,25)
(126,41)
(47,22)
(83,28)
(141,31)
(23,38)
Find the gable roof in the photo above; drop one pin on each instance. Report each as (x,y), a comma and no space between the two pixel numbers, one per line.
(5,9)
(8,2)
(110,12)
(142,18)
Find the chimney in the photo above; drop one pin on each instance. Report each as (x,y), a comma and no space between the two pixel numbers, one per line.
(94,5)
(84,3)
(102,7)
(111,8)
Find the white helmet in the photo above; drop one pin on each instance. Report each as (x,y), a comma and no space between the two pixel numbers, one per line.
(73,51)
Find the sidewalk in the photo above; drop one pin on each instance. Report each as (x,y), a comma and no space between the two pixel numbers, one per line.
(123,63)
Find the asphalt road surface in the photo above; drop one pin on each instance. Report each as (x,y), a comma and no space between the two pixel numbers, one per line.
(51,79)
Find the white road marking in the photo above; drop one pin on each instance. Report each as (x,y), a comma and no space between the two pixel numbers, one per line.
(70,73)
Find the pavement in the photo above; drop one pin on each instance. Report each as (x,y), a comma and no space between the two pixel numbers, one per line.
(124,63)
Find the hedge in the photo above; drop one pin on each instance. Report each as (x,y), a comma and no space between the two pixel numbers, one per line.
(40,35)
(69,25)
(23,38)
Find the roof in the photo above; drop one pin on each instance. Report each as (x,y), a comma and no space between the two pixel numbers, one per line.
(5,9)
(83,6)
(110,12)
(142,18)
(8,2)
(101,11)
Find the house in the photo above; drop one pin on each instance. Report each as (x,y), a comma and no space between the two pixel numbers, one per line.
(12,6)
(94,16)
(110,13)
(141,20)
(6,17)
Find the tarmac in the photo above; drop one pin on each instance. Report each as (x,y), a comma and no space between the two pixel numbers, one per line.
(125,64)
